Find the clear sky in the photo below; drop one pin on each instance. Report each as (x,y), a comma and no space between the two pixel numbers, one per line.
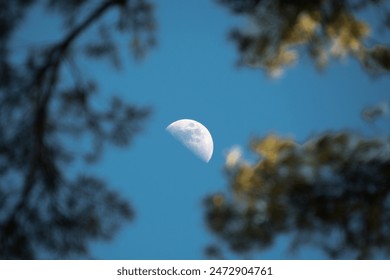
(192,74)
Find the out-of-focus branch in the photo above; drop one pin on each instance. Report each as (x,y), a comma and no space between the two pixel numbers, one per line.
(44,84)
(50,208)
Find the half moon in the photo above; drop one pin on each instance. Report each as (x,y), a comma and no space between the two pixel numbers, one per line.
(195,136)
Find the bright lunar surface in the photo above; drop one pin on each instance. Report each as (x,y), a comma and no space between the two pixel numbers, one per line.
(194,136)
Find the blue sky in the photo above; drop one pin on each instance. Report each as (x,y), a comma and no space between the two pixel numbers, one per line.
(192,74)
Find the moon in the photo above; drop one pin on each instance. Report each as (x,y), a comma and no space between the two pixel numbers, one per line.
(195,136)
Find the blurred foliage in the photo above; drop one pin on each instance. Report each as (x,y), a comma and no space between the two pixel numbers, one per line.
(375,112)
(280,31)
(332,193)
(45,207)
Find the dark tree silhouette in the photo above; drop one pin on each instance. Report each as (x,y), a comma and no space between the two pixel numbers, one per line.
(332,192)
(45,208)
(279,31)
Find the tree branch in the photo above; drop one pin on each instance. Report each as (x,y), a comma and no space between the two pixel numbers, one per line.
(43,85)
(64,44)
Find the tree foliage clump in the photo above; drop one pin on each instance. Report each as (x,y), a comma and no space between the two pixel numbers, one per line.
(45,207)
(279,31)
(333,193)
